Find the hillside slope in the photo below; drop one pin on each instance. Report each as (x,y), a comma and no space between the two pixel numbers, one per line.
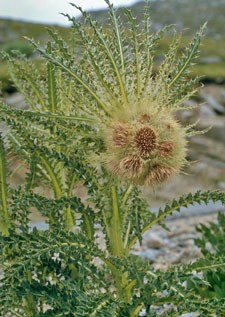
(187,15)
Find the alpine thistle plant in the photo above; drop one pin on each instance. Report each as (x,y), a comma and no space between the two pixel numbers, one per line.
(133,108)
(101,116)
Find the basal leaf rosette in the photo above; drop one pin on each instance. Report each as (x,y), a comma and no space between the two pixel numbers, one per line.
(145,145)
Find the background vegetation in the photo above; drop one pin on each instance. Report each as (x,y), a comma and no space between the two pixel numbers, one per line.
(187,15)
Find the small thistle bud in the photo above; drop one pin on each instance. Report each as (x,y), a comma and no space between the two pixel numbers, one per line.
(131,166)
(168,126)
(120,136)
(144,118)
(158,174)
(166,148)
(145,140)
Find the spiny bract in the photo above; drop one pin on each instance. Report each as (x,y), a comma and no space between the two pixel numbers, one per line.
(132,106)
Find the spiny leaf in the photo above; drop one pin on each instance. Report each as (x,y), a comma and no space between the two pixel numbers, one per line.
(26,77)
(73,74)
(176,205)
(52,87)
(105,45)
(117,30)
(135,47)
(4,209)
(188,58)
(61,44)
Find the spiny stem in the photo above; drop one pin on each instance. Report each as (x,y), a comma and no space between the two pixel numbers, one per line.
(115,226)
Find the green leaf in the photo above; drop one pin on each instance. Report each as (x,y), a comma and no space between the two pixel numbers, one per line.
(52,87)
(73,74)
(4,209)
(176,205)
(188,57)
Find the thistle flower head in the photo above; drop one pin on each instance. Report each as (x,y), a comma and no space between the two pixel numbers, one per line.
(145,153)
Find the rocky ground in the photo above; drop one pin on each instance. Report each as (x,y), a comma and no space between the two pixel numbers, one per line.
(164,248)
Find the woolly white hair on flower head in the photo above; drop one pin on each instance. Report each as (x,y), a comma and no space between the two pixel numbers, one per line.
(147,148)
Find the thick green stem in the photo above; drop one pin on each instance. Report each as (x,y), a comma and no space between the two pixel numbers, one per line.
(89,227)
(70,221)
(115,227)
(114,230)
